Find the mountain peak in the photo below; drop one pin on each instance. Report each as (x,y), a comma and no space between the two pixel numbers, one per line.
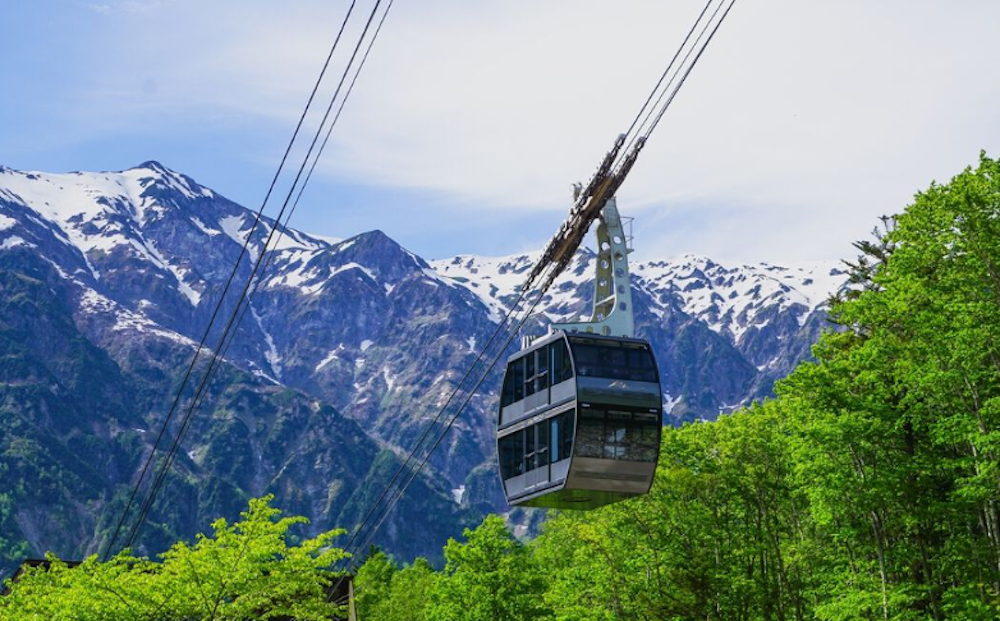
(377,247)
(152,165)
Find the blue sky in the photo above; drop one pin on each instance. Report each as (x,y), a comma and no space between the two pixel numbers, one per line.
(804,121)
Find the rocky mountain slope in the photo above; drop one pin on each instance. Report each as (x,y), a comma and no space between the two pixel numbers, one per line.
(109,280)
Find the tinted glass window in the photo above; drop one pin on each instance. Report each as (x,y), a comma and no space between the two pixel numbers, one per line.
(542,444)
(518,380)
(590,435)
(566,439)
(530,455)
(562,368)
(555,430)
(618,434)
(542,369)
(555,366)
(529,375)
(645,438)
(512,455)
(613,359)
(507,395)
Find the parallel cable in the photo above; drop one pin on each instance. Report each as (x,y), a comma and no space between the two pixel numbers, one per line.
(656,107)
(202,388)
(225,290)
(667,70)
(312,168)
(432,424)
(415,472)
(185,425)
(690,67)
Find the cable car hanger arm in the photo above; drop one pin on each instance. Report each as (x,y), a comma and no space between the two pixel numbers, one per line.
(587,208)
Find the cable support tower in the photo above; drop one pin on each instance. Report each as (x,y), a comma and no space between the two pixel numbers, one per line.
(618,162)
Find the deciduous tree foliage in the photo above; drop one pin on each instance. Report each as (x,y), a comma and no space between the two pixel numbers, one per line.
(244,570)
(382,592)
(869,488)
(490,576)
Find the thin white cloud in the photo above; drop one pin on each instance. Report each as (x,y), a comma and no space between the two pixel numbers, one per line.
(803,122)
(127,6)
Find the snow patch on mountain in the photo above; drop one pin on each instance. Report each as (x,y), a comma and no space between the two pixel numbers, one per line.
(332,355)
(203,228)
(93,303)
(272,356)
(352,266)
(74,200)
(730,300)
(232,226)
(14,241)
(492,279)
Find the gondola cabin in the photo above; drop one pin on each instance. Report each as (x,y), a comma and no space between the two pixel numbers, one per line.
(579,422)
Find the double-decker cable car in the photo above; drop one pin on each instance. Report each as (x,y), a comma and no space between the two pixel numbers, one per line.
(580,411)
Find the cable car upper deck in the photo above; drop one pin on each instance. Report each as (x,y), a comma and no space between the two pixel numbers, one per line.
(568,366)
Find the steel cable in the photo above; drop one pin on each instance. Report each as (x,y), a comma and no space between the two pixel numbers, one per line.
(185,424)
(225,291)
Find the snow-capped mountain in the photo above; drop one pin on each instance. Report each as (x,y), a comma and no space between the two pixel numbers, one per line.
(729,300)
(376,335)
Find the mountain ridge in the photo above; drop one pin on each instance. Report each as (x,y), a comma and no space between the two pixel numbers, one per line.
(363,326)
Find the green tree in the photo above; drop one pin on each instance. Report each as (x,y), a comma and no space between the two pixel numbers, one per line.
(490,577)
(385,593)
(244,570)
(718,536)
(373,583)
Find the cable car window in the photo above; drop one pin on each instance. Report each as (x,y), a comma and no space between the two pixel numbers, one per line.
(618,434)
(529,449)
(586,358)
(529,374)
(542,444)
(542,368)
(613,359)
(555,366)
(562,368)
(566,440)
(518,379)
(590,435)
(645,436)
(512,455)
(557,426)
(507,396)
(561,436)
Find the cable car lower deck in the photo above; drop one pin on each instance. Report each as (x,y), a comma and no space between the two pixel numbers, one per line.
(579,422)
